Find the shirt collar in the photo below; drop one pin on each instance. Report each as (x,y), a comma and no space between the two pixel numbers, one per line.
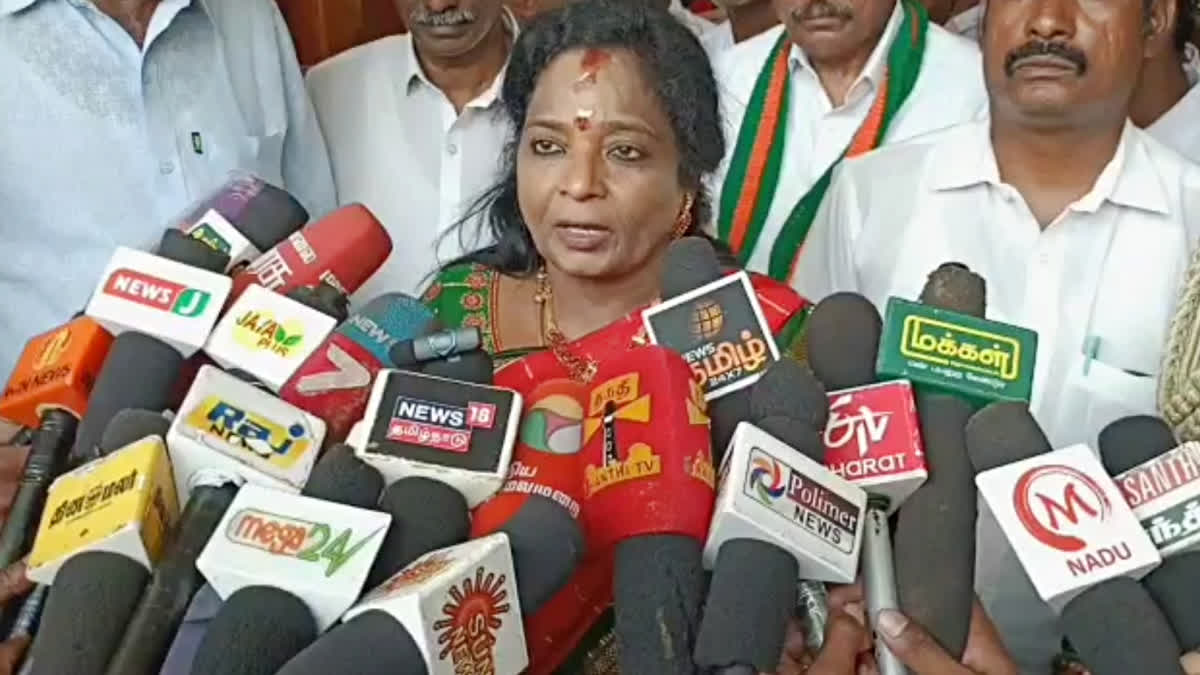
(876,64)
(966,158)
(411,74)
(13,6)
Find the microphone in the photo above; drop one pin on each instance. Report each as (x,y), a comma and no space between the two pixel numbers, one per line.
(334,382)
(648,491)
(267,335)
(441,344)
(49,391)
(181,248)
(427,514)
(164,299)
(1160,483)
(955,287)
(342,249)
(242,218)
(780,516)
(341,477)
(451,430)
(719,327)
(231,431)
(1080,544)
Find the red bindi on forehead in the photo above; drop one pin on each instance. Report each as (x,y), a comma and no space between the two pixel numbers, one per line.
(593,61)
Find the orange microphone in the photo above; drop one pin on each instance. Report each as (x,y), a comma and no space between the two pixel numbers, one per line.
(49,391)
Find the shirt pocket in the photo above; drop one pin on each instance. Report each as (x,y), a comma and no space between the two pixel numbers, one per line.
(1100,393)
(260,154)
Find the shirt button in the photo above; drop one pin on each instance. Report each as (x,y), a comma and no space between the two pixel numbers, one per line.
(166,168)
(452,149)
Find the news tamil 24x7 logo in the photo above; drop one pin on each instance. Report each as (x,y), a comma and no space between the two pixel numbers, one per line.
(1067,510)
(473,614)
(438,425)
(156,293)
(719,329)
(280,444)
(799,500)
(318,543)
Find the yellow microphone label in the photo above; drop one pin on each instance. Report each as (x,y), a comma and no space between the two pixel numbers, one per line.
(125,503)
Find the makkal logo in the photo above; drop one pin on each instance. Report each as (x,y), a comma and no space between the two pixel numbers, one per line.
(765,477)
(473,613)
(260,330)
(160,294)
(282,445)
(867,427)
(1061,506)
(294,538)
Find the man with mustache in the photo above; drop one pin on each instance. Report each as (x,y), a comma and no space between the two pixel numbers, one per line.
(414,127)
(838,78)
(1167,102)
(1081,223)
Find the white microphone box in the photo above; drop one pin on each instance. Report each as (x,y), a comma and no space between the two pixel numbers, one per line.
(1164,494)
(773,493)
(1067,522)
(176,303)
(319,551)
(228,429)
(459,433)
(267,335)
(460,606)
(219,234)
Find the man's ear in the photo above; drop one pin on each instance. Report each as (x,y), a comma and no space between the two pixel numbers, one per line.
(1161,16)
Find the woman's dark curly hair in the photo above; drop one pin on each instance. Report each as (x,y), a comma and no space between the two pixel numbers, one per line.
(673,63)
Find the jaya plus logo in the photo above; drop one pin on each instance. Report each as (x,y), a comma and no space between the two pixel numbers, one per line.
(473,615)
(260,330)
(319,543)
(161,294)
(281,444)
(438,425)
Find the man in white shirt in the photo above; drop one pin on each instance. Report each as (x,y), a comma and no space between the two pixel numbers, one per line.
(745,19)
(415,129)
(1081,223)
(1167,102)
(839,77)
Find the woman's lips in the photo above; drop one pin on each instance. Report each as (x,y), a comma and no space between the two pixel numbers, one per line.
(582,236)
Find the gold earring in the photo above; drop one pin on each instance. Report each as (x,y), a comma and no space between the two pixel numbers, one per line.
(684,221)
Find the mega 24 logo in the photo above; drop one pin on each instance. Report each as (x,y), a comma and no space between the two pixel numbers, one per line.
(294,538)
(160,294)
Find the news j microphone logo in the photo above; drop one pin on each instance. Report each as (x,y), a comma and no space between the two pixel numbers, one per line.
(473,615)
(283,444)
(295,538)
(442,426)
(160,294)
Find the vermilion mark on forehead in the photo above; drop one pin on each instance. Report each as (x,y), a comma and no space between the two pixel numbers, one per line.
(583,119)
(594,60)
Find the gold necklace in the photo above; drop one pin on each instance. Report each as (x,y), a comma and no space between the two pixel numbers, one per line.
(580,369)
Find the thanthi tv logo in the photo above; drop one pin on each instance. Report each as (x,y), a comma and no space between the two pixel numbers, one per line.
(474,613)
(947,344)
(279,444)
(259,329)
(618,399)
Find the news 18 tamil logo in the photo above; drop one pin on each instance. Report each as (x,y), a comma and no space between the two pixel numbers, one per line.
(473,615)
(294,538)
(442,426)
(960,347)
(260,330)
(282,445)
(160,294)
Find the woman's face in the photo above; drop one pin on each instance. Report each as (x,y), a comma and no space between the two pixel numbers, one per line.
(598,166)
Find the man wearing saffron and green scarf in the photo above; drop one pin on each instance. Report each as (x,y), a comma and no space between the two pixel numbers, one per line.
(838,78)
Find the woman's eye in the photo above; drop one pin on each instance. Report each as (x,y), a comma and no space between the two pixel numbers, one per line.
(542,147)
(626,153)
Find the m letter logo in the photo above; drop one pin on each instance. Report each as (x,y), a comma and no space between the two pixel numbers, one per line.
(157,293)
(1059,505)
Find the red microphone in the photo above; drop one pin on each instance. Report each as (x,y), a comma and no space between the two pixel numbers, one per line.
(343,249)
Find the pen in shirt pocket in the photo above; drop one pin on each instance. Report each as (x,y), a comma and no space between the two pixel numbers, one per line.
(1091,352)
(197,143)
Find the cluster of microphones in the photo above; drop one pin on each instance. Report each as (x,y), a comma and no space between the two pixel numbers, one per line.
(367,494)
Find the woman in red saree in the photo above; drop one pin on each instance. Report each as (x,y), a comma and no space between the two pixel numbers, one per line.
(615,112)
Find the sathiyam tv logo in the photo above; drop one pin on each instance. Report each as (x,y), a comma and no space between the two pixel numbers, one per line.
(1061,507)
(160,294)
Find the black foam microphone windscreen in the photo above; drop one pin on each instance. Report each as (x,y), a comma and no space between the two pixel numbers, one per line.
(89,606)
(130,426)
(690,263)
(139,372)
(1134,440)
(934,543)
(1173,586)
(426,515)
(1002,433)
(372,643)
(788,388)
(187,250)
(658,585)
(341,477)
(547,545)
(955,287)
(257,630)
(843,341)
(1116,629)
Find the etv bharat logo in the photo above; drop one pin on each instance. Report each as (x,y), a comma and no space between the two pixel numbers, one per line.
(160,294)
(260,330)
(1061,506)
(473,617)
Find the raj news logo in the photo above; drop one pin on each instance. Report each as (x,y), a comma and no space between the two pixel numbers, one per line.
(473,614)
(260,330)
(281,445)
(156,293)
(290,537)
(1061,507)
(438,425)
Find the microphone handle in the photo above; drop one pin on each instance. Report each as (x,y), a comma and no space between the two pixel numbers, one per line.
(26,623)
(814,598)
(47,458)
(879,578)
(165,601)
